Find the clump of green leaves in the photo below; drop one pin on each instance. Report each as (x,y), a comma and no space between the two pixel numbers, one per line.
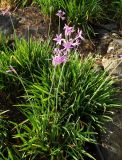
(26,58)
(84,13)
(5,145)
(21,3)
(78,12)
(3,129)
(115,9)
(63,104)
(64,107)
(47,6)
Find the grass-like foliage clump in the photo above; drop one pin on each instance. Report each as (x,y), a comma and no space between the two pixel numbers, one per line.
(79,12)
(85,13)
(64,105)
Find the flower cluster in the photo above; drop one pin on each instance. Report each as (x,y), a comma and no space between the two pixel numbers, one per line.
(61,14)
(64,45)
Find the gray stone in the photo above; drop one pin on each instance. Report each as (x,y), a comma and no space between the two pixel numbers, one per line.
(113,65)
(109,42)
(7,24)
(101,30)
(110,26)
(32,24)
(115,47)
(112,140)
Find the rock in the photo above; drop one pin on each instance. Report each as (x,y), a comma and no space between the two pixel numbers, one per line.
(101,30)
(112,61)
(98,67)
(115,47)
(110,43)
(113,65)
(32,23)
(110,26)
(112,140)
(104,43)
(7,24)
(26,23)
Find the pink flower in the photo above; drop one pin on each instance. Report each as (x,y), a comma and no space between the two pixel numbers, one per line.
(68,30)
(79,35)
(58,39)
(64,45)
(60,14)
(68,45)
(57,51)
(57,60)
(76,43)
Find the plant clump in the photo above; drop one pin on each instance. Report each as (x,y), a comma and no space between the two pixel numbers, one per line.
(63,99)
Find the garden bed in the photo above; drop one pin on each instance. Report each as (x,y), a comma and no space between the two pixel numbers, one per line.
(58,82)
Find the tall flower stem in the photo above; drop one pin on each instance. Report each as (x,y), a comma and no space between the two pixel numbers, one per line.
(58,86)
(50,21)
(53,77)
(59,25)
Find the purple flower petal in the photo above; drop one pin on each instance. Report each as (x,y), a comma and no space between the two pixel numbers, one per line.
(79,35)
(68,30)
(76,43)
(63,18)
(68,45)
(60,14)
(57,51)
(57,60)
(58,39)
